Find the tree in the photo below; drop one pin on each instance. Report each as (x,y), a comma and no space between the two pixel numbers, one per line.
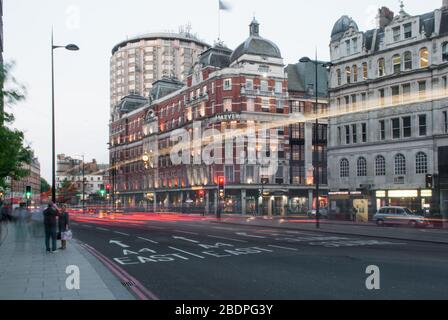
(13,152)
(44,185)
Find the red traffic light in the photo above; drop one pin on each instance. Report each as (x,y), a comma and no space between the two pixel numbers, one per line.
(221,181)
(201,193)
(108,187)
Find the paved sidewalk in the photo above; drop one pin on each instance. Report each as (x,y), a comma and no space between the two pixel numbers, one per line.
(27,272)
(397,233)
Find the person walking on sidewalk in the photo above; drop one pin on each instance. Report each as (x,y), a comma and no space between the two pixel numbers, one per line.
(50,215)
(63,225)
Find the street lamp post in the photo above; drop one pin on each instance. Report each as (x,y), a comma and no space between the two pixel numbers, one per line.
(70,47)
(83,183)
(316,137)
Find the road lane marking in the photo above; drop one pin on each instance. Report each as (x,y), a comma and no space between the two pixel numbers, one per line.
(187,232)
(159,228)
(186,252)
(152,241)
(244,234)
(224,238)
(102,229)
(222,228)
(185,239)
(122,233)
(280,247)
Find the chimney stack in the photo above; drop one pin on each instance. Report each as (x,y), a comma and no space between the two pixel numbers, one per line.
(385,16)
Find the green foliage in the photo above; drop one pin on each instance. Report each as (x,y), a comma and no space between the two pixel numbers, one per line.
(44,185)
(13,153)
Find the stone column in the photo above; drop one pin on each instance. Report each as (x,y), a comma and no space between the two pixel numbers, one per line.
(207,202)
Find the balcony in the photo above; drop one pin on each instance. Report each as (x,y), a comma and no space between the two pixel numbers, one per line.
(258,92)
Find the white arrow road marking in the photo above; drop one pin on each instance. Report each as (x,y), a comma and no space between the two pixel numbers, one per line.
(186,252)
(152,241)
(185,239)
(244,234)
(230,239)
(119,243)
(280,247)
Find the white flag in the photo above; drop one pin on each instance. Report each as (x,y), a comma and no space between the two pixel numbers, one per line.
(224,6)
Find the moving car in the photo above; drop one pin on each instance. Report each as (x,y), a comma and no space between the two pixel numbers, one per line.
(399,216)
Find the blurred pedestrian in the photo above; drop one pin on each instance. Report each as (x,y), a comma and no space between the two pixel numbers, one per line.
(50,215)
(63,225)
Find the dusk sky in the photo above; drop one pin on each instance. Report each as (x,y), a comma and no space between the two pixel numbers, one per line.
(82,78)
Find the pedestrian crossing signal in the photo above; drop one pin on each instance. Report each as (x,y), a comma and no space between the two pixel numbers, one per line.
(28,192)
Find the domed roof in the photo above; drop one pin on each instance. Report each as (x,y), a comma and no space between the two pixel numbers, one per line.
(256,45)
(341,26)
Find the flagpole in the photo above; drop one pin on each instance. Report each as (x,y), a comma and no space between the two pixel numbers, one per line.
(219,21)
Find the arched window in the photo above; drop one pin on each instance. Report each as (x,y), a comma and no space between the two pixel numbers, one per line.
(380,166)
(396,62)
(339,76)
(408,60)
(400,164)
(348,74)
(381,67)
(424,57)
(445,52)
(362,167)
(344,168)
(364,71)
(421,163)
(355,73)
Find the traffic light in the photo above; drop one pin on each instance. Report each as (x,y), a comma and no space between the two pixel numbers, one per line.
(201,193)
(102,191)
(221,185)
(429,181)
(108,188)
(28,192)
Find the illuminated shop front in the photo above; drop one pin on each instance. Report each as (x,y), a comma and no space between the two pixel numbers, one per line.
(416,200)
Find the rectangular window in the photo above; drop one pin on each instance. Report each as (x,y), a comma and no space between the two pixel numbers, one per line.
(422,125)
(264,86)
(364,99)
(355,45)
(347,103)
(382,130)
(278,87)
(347,134)
(347,46)
(354,133)
(444,83)
(395,95)
(250,174)
(364,132)
(381,97)
(265,104)
(422,89)
(396,33)
(407,30)
(227,84)
(445,121)
(354,102)
(229,174)
(406,92)
(227,105)
(396,130)
(407,127)
(249,84)
(339,138)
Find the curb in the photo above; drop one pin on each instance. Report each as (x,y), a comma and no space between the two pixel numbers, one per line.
(333,232)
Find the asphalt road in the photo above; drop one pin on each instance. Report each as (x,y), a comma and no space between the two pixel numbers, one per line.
(190,259)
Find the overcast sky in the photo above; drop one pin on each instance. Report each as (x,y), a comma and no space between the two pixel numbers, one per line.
(82,78)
